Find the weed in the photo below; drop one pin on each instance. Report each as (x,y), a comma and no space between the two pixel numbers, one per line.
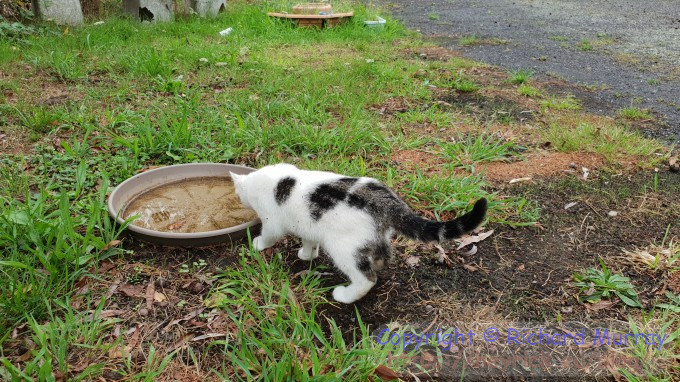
(520,76)
(566,103)
(468,40)
(609,140)
(635,113)
(585,45)
(471,149)
(528,91)
(599,284)
(433,16)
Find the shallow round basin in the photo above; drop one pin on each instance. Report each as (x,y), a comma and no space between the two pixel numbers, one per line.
(128,192)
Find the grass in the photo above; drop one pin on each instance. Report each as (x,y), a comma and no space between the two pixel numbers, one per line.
(260,299)
(472,149)
(469,40)
(585,45)
(610,140)
(634,113)
(560,103)
(528,91)
(519,77)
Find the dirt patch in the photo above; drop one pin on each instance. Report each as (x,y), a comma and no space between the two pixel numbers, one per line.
(416,159)
(393,106)
(540,164)
(14,141)
(434,53)
(487,108)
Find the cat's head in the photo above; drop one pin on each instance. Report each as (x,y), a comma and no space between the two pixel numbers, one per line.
(240,186)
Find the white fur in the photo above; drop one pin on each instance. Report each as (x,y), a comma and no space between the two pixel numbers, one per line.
(341,231)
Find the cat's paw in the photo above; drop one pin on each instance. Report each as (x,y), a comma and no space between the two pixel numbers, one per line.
(340,295)
(306,256)
(259,244)
(309,254)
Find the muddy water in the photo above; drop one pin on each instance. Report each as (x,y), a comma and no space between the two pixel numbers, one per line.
(193,205)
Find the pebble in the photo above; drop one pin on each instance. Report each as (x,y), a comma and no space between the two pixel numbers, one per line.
(143,312)
(613,213)
(203,60)
(429,308)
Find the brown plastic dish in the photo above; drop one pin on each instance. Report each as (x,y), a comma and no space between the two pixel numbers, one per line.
(130,188)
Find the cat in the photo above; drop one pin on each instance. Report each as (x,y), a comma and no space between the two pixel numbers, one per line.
(352,219)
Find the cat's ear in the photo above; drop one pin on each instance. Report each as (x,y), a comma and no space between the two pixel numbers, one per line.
(236,178)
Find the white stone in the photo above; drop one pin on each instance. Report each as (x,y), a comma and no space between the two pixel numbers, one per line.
(150,10)
(61,11)
(209,7)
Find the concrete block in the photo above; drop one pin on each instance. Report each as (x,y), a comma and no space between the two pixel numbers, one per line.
(149,10)
(210,8)
(66,12)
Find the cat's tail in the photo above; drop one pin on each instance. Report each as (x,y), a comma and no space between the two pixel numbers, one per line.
(415,227)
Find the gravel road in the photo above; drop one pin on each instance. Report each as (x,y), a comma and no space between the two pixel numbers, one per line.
(624,52)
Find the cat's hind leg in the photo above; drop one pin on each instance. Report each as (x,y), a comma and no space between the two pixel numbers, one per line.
(309,250)
(358,265)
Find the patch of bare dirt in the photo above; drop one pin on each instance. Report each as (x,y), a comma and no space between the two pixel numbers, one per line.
(434,53)
(14,141)
(416,159)
(540,164)
(491,108)
(393,106)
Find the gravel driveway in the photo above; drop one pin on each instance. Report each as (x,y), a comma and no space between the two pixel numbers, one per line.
(625,52)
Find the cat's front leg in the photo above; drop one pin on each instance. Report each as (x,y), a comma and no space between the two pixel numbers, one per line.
(268,237)
(309,250)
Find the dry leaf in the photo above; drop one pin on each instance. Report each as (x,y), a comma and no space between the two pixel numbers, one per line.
(176,225)
(111,313)
(442,256)
(412,261)
(111,244)
(159,297)
(569,205)
(209,335)
(470,268)
(602,304)
(132,290)
(517,180)
(471,252)
(474,239)
(385,373)
(150,291)
(520,267)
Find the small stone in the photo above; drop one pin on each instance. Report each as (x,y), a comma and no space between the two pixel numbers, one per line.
(143,312)
(567,309)
(203,60)
(370,60)
(221,64)
(429,308)
(613,213)
(573,165)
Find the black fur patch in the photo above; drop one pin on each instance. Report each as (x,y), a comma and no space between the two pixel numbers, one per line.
(324,198)
(283,189)
(356,201)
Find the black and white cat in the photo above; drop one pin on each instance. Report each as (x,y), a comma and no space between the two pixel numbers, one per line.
(352,219)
